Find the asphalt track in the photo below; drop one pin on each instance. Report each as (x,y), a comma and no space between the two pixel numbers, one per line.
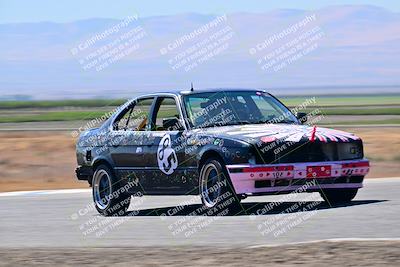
(64,219)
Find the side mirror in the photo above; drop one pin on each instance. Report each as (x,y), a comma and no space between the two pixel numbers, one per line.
(172,124)
(302,117)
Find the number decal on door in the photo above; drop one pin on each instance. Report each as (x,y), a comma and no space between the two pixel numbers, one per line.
(166,156)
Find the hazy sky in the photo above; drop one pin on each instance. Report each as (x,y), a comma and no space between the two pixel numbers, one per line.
(70,10)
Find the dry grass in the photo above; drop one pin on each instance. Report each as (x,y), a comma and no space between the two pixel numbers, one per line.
(325,253)
(382,147)
(37,160)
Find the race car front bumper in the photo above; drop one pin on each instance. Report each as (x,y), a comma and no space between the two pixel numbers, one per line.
(283,178)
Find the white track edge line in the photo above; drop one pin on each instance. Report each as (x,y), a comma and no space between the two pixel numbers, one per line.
(331,240)
(44,192)
(85,190)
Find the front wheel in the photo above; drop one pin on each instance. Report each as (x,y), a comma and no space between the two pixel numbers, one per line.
(338,196)
(108,195)
(216,190)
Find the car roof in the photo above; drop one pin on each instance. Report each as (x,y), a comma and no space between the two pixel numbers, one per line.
(195,91)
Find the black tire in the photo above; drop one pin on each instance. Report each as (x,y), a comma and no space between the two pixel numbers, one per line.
(216,190)
(109,196)
(338,196)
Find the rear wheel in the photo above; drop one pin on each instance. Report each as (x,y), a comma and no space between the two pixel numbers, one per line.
(108,194)
(337,196)
(216,190)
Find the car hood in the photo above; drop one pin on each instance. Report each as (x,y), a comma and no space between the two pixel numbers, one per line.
(254,133)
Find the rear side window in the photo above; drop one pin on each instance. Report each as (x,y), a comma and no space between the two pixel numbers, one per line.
(135,117)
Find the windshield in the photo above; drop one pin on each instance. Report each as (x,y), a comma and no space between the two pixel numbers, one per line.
(235,107)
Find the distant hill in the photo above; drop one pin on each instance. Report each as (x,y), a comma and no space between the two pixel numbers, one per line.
(359,45)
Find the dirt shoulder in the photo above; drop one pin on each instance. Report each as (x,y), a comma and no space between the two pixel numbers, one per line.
(325,253)
(37,160)
(382,148)
(33,160)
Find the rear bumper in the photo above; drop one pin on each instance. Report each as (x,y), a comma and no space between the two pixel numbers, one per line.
(311,176)
(84,173)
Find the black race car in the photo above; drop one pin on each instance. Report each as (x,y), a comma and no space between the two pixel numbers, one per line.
(223,145)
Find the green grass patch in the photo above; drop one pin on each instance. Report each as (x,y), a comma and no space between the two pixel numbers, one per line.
(358,111)
(61,103)
(343,105)
(366,122)
(362,100)
(54,116)
(344,100)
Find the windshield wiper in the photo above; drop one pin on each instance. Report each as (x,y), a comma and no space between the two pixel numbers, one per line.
(284,121)
(272,121)
(224,124)
(261,122)
(234,123)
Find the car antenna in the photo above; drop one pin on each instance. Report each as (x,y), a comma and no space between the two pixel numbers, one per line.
(191,88)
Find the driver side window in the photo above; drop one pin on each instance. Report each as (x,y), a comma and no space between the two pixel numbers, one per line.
(134,117)
(167,117)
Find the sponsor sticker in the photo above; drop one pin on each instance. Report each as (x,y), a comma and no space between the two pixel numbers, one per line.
(166,156)
(318,171)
